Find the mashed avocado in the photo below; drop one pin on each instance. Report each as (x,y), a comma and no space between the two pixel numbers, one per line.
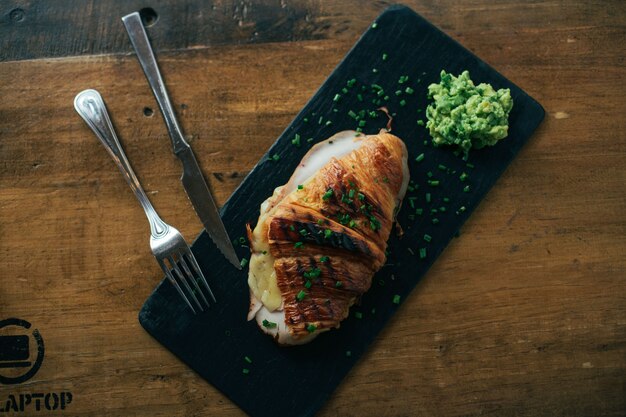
(466,115)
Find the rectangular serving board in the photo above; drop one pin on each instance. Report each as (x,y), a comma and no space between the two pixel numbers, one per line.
(297,381)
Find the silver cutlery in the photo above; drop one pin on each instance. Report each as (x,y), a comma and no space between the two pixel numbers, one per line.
(192,178)
(167,244)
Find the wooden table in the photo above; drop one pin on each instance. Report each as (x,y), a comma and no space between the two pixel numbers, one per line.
(523,314)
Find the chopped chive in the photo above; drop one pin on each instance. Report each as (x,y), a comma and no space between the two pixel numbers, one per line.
(469,165)
(419,158)
(374,223)
(375,70)
(442,167)
(362,123)
(337,98)
(385,56)
(338,284)
(409,90)
(292,228)
(398,92)
(386,98)
(247,359)
(435,220)
(313,273)
(466,189)
(300,186)
(264,252)
(427,237)
(305,120)
(352,223)
(245,371)
(402,103)
(351,82)
(311,328)
(328,233)
(422,253)
(348,353)
(412,202)
(361,196)
(243,262)
(300,296)
(309,140)
(320,221)
(358,315)
(319,122)
(463,176)
(359,97)
(275,157)
(269,324)
(396,299)
(307,284)
(403,79)
(344,90)
(446,200)
(419,211)
(304,232)
(442,209)
(352,114)
(296,140)
(328,194)
(429,174)
(420,123)
(374,25)
(298,245)
(324,259)
(428,197)
(433,183)
(328,123)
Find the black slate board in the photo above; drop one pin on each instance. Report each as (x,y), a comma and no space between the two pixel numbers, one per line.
(296,381)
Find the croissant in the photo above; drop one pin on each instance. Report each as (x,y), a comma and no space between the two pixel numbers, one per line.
(321,237)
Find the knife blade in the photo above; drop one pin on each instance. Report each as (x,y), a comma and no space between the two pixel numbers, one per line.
(192,179)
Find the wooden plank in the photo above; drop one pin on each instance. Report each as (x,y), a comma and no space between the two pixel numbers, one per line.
(522,315)
(38,28)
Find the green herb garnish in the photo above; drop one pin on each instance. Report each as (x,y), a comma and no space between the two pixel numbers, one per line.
(269,324)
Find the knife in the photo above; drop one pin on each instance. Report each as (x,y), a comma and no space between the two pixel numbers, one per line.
(192,178)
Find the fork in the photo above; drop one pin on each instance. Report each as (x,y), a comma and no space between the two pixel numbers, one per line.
(167,244)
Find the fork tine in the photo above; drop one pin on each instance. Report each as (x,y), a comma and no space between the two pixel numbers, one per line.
(184,280)
(197,269)
(173,281)
(193,278)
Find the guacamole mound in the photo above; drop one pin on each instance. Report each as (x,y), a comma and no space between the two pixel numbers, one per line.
(466,115)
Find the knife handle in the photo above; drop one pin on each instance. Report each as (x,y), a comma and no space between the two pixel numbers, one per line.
(141,43)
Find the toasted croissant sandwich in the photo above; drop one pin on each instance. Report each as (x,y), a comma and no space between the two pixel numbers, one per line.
(321,237)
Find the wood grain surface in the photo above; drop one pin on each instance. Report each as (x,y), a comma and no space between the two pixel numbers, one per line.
(523,314)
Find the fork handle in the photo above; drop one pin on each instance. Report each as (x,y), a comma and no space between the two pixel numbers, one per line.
(91,108)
